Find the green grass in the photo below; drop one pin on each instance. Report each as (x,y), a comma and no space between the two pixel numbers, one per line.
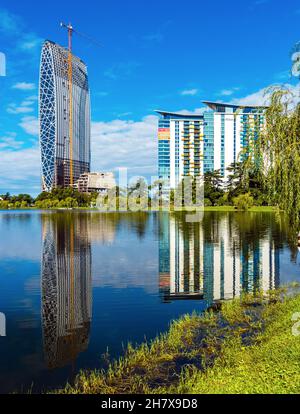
(247,347)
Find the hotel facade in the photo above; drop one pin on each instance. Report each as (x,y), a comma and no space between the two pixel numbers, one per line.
(191,145)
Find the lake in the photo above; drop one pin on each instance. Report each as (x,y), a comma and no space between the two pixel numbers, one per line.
(78,285)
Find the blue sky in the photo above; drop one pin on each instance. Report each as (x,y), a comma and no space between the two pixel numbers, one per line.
(155,54)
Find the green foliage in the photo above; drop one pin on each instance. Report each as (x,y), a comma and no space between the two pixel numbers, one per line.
(280,146)
(243,202)
(244,177)
(4,204)
(16,201)
(213,186)
(64,198)
(207,202)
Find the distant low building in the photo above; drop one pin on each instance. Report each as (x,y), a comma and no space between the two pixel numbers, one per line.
(96,182)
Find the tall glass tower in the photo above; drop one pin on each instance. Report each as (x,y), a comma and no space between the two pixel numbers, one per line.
(54,111)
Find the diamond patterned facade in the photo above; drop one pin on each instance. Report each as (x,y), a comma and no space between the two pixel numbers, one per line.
(54,100)
(66,288)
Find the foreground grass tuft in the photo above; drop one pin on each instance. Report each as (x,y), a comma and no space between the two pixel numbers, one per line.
(247,347)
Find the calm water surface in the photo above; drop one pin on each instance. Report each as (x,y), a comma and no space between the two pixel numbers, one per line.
(74,285)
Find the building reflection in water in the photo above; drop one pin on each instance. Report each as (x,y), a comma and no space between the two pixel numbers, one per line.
(66,287)
(214,262)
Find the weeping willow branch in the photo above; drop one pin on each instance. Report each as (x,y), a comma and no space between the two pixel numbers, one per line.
(279,146)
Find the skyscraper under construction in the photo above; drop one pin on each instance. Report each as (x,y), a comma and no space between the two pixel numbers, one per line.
(64,111)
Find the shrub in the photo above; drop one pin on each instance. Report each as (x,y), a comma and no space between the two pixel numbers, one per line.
(207,202)
(243,202)
(4,204)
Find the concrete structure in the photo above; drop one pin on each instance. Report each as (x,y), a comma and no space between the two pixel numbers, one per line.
(195,144)
(54,109)
(96,182)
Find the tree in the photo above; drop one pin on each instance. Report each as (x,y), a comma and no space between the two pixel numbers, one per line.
(4,204)
(280,146)
(5,197)
(60,195)
(213,186)
(243,202)
(245,177)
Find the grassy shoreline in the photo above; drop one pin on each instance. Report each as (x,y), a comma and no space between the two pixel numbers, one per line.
(246,347)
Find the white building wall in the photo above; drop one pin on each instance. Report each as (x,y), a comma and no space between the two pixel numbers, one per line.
(173,263)
(172,155)
(238,144)
(217,141)
(265,264)
(181,143)
(229,142)
(181,261)
(217,273)
(176,175)
(192,264)
(228,262)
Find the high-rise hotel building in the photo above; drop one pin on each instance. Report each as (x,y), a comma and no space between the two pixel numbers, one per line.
(190,145)
(54,114)
(180,146)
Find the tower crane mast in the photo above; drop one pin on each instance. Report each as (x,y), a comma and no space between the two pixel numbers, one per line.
(70,29)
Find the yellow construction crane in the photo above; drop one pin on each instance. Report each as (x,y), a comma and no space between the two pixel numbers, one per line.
(71,30)
(72,246)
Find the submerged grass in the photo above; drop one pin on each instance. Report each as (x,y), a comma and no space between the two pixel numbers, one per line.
(247,346)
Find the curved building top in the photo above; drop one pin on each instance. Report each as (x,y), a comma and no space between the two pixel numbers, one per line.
(178,115)
(223,107)
(60,64)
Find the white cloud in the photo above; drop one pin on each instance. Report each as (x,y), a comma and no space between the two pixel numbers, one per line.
(121,70)
(128,144)
(30,42)
(10,142)
(24,108)
(256,98)
(262,97)
(20,169)
(189,92)
(9,24)
(283,76)
(197,111)
(30,124)
(13,109)
(29,101)
(154,37)
(12,25)
(101,93)
(228,92)
(24,86)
